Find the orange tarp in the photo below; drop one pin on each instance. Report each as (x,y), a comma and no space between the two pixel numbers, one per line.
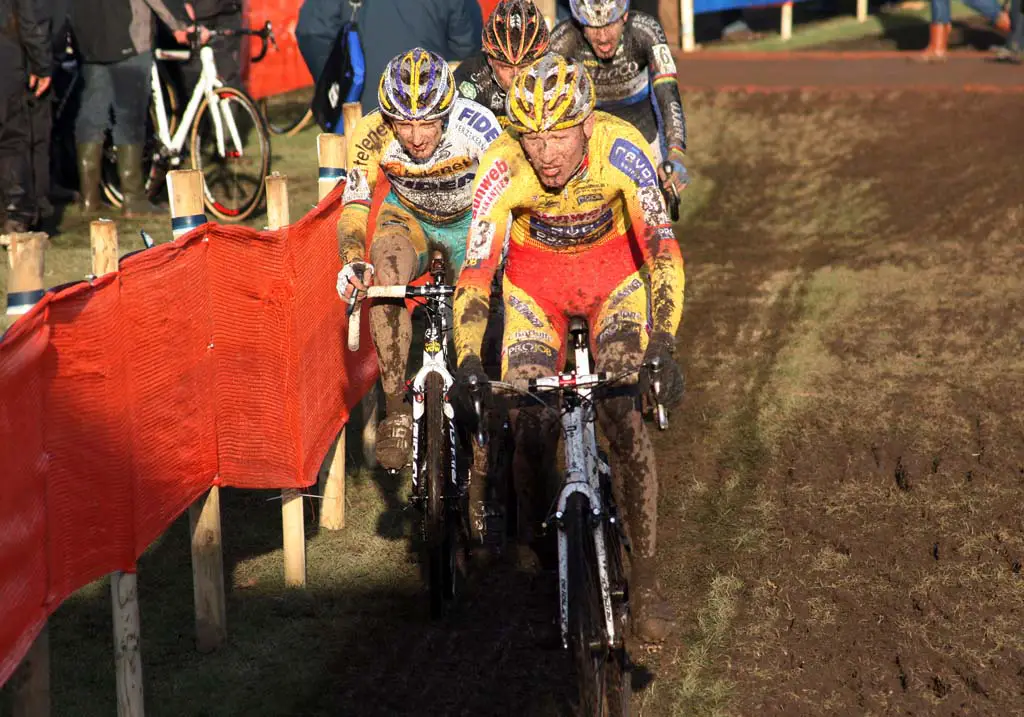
(217,359)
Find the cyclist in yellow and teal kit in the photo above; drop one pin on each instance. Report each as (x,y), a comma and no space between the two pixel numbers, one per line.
(427,142)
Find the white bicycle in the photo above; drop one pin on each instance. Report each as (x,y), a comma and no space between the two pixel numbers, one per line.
(228,139)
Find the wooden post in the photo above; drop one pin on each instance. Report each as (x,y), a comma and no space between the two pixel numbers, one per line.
(787,21)
(185,189)
(862,10)
(103,237)
(123,586)
(332,155)
(333,160)
(127,652)
(292,520)
(25,257)
(351,113)
(686,14)
(549,9)
(30,683)
(669,12)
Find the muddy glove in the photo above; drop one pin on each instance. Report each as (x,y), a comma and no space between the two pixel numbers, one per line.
(669,374)
(465,396)
(680,177)
(350,274)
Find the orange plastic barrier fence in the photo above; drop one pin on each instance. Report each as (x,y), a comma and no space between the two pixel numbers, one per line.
(218,359)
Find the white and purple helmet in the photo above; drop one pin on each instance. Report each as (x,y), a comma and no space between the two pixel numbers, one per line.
(598,13)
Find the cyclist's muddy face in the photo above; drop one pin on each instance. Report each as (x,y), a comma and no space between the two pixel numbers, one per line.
(419,137)
(605,39)
(503,72)
(555,156)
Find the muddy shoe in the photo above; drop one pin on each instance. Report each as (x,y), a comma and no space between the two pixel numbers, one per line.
(394,441)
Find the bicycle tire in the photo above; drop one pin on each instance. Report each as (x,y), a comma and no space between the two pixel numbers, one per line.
(286,128)
(241,206)
(601,672)
(110,182)
(439,528)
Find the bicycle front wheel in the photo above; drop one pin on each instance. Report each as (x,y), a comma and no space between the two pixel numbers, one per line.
(234,178)
(441,521)
(602,670)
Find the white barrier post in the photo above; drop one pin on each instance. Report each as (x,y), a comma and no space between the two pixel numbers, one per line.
(862,10)
(30,683)
(124,595)
(686,15)
(786,31)
(185,189)
(549,9)
(293,525)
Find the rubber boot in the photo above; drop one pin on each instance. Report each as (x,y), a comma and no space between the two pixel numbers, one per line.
(938,43)
(90,157)
(652,616)
(133,187)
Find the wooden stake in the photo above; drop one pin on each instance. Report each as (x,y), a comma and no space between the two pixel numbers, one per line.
(351,113)
(30,683)
(123,592)
(331,154)
(185,189)
(862,10)
(333,157)
(786,31)
(127,653)
(26,258)
(208,571)
(103,237)
(369,418)
(292,520)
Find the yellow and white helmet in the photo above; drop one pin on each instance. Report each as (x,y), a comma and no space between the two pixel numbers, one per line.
(551,93)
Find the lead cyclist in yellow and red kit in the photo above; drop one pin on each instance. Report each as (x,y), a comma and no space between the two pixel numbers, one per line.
(579,193)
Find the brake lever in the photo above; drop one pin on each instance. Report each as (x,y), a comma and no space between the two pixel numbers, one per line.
(475,391)
(269,29)
(669,192)
(659,408)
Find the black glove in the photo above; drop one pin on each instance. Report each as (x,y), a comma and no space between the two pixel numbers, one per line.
(669,374)
(465,394)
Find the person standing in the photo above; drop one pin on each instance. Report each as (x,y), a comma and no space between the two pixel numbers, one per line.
(24,57)
(449,28)
(115,39)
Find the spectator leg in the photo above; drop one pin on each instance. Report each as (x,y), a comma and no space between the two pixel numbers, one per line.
(90,126)
(15,170)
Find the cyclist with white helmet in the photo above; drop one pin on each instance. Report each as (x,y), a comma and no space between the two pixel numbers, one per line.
(627,55)
(514,35)
(427,142)
(577,194)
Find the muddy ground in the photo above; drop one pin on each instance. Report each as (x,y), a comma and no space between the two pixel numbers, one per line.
(841,526)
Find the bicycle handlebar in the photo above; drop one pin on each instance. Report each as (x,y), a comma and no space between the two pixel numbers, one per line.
(398,291)
(265,34)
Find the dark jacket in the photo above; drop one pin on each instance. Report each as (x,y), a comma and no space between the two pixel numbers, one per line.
(451,28)
(114,30)
(24,39)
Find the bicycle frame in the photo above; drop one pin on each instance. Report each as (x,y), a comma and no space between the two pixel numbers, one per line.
(208,82)
(435,360)
(582,475)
